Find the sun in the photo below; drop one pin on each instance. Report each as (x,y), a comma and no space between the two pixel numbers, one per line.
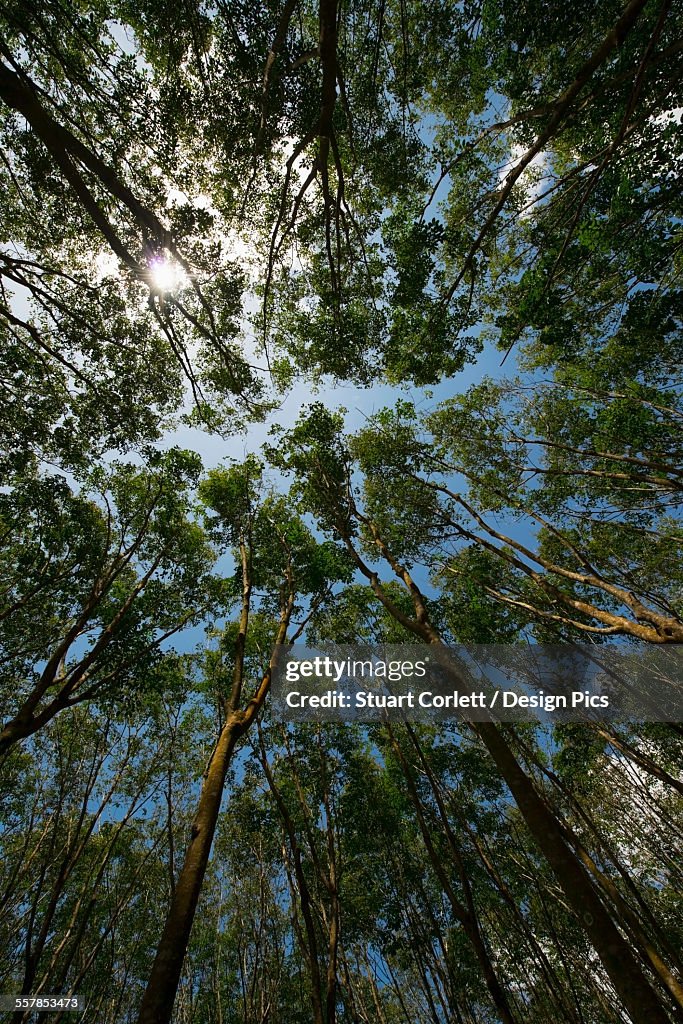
(166,275)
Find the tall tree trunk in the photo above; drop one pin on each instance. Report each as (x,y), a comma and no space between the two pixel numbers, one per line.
(307,937)
(639,998)
(157,1002)
(632,986)
(465,914)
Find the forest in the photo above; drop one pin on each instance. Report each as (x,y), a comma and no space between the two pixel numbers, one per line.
(348,322)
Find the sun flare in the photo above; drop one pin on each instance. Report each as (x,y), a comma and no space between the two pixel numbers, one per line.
(166,275)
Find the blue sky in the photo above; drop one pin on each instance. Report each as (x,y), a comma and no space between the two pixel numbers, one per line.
(359,403)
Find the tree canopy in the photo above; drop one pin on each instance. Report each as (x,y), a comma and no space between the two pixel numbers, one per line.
(211,211)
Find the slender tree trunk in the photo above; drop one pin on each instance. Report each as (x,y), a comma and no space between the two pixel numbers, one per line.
(465,914)
(157,1002)
(308,938)
(538,954)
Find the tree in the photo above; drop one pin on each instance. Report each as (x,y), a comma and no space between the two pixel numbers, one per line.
(317,454)
(278,555)
(602,533)
(203,204)
(113,572)
(330,143)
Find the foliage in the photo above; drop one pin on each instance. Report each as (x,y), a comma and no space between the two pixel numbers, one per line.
(207,206)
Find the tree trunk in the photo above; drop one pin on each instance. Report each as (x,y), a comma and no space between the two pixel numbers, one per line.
(157,1002)
(465,914)
(639,999)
